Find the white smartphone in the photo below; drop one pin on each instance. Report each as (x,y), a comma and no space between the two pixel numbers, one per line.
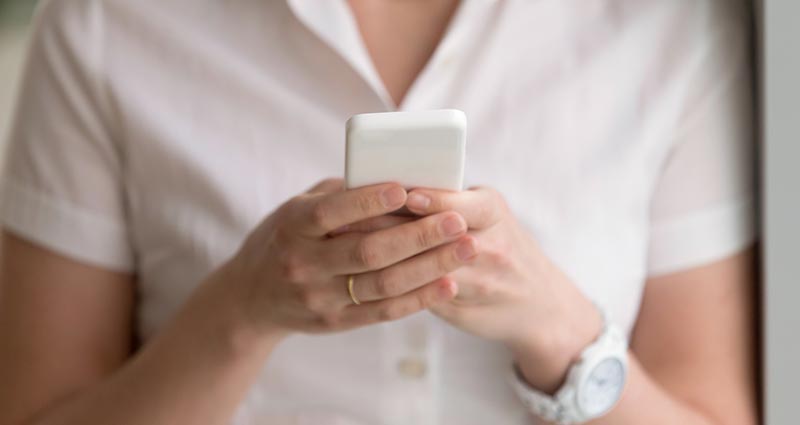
(415,149)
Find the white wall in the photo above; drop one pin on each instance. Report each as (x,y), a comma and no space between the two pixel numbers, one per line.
(781,115)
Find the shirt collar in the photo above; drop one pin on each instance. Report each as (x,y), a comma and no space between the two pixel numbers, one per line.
(333,22)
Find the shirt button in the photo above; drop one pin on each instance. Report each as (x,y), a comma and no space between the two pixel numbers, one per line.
(412,367)
(449,60)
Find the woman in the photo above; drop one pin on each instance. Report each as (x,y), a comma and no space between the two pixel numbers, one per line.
(163,263)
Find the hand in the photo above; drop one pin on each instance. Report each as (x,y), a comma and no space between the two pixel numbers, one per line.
(511,292)
(292,270)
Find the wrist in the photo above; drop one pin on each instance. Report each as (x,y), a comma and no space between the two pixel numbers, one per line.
(224,294)
(545,361)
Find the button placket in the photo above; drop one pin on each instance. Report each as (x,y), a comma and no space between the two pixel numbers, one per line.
(409,368)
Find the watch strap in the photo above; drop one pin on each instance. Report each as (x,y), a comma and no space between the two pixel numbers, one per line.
(562,408)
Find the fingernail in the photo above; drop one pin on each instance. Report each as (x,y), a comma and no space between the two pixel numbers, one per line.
(393,197)
(466,250)
(453,225)
(418,201)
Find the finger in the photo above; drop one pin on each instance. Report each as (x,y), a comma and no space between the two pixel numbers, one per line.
(354,253)
(373,224)
(481,207)
(432,294)
(319,214)
(449,311)
(327,186)
(415,272)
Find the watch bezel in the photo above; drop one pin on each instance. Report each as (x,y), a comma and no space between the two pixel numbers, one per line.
(586,371)
(611,344)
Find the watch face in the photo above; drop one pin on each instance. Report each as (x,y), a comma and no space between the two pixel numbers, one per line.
(603,387)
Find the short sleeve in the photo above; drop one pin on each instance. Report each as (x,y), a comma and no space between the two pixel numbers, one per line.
(704,203)
(62,185)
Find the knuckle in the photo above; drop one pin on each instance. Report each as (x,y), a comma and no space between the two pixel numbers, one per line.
(312,301)
(425,299)
(365,254)
(488,210)
(446,262)
(391,312)
(329,182)
(425,236)
(330,320)
(500,258)
(293,267)
(454,314)
(320,214)
(485,212)
(499,202)
(439,203)
(363,204)
(282,236)
(292,202)
(484,290)
(386,285)
(498,198)
(290,208)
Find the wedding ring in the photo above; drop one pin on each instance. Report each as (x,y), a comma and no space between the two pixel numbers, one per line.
(350,281)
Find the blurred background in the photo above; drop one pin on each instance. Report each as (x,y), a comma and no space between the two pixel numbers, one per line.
(780,63)
(15,16)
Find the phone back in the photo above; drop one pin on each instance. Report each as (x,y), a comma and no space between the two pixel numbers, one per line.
(415,149)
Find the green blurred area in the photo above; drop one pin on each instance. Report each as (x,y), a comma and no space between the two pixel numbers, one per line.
(14,13)
(15,17)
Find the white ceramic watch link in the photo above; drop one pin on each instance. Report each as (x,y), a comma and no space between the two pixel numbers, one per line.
(593,386)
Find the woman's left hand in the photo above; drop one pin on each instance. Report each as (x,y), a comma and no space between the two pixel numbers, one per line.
(511,292)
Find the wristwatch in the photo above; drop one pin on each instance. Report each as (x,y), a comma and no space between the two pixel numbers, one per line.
(593,386)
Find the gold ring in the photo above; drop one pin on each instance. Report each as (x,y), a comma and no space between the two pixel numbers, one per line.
(350,281)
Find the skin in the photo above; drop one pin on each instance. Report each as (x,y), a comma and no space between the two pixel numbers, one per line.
(401,36)
(67,358)
(66,327)
(676,375)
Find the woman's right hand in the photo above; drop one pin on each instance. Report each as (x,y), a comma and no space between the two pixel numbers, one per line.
(293,273)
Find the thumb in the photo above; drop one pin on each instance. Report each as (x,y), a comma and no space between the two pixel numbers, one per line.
(327,186)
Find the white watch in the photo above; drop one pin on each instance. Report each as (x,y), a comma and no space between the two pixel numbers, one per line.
(593,386)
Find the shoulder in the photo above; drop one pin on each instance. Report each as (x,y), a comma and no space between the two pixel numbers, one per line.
(73,25)
(682,19)
(62,17)
(88,30)
(85,16)
(708,21)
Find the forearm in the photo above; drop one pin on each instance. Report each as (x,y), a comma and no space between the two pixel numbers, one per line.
(196,370)
(644,400)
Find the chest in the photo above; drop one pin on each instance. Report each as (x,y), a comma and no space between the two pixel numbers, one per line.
(212,149)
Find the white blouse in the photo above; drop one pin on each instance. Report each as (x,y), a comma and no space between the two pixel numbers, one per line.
(152,136)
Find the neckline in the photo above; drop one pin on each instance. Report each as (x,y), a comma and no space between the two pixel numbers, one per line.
(333,22)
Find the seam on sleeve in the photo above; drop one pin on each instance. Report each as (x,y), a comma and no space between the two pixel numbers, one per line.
(702,237)
(64,228)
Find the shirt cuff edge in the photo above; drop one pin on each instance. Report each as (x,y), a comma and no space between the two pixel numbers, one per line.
(66,229)
(701,238)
